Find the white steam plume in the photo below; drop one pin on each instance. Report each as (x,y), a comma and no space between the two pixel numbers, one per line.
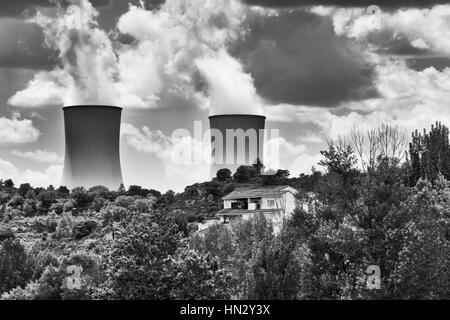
(173,49)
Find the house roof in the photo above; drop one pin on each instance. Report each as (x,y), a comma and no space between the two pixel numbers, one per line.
(240,212)
(252,192)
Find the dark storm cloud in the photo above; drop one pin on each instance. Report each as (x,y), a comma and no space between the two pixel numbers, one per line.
(345,3)
(389,42)
(13,8)
(296,58)
(22,45)
(10,8)
(438,63)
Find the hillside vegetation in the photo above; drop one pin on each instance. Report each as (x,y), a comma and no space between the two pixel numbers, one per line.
(368,208)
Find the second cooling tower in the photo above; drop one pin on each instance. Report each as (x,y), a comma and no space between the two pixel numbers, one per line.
(242,143)
(92,139)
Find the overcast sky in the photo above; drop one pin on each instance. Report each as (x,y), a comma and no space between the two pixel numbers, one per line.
(315,68)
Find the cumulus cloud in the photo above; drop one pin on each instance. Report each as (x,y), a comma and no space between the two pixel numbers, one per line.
(7,170)
(17,131)
(344,3)
(409,97)
(282,154)
(51,176)
(419,31)
(45,89)
(39,156)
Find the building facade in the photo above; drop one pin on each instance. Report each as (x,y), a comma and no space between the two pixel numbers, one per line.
(276,203)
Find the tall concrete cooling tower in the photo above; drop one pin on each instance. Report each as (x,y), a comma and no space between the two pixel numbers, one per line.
(236,150)
(92,155)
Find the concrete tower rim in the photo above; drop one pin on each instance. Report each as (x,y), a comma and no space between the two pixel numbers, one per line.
(236,115)
(92,106)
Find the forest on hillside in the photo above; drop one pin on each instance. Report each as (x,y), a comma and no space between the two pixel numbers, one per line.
(381,200)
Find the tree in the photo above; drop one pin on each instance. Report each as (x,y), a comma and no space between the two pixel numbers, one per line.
(134,191)
(82,197)
(430,154)
(8,184)
(46,199)
(258,165)
(338,159)
(98,191)
(62,192)
(385,141)
(279,178)
(24,188)
(244,174)
(421,271)
(121,189)
(166,199)
(280,271)
(15,268)
(223,174)
(191,275)
(134,266)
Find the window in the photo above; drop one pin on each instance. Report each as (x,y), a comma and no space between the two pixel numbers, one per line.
(271,203)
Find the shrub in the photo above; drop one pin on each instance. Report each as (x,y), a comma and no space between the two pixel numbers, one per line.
(12,213)
(45,224)
(46,199)
(64,228)
(83,228)
(69,205)
(98,203)
(42,261)
(16,201)
(29,208)
(142,205)
(4,197)
(6,233)
(223,174)
(30,292)
(124,201)
(57,207)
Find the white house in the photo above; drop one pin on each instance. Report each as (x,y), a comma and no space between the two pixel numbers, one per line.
(276,203)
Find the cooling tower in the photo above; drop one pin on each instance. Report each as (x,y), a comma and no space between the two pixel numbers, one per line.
(242,148)
(92,155)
